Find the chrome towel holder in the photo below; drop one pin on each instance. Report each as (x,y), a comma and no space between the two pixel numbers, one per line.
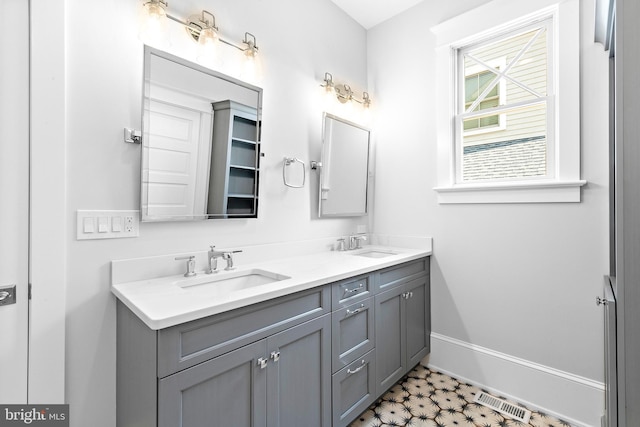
(289,161)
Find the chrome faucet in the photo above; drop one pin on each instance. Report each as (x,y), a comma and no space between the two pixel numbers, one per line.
(355,242)
(213,256)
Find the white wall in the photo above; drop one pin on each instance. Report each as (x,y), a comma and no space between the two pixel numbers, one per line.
(298,42)
(518,280)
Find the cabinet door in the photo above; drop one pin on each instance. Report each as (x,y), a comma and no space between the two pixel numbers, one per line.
(418,320)
(228,390)
(390,327)
(299,375)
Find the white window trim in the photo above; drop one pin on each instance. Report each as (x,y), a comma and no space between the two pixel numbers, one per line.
(495,17)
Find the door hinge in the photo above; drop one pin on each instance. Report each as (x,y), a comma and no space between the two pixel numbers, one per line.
(29,292)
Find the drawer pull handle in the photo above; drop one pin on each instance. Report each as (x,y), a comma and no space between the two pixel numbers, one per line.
(358,369)
(262,362)
(356,311)
(354,290)
(275,355)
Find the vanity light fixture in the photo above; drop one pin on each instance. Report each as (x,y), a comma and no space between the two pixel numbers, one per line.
(202,28)
(343,92)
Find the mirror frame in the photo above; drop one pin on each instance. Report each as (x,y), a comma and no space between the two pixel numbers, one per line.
(146,86)
(325,165)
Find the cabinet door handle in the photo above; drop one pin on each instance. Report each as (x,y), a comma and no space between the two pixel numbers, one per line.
(275,355)
(358,369)
(356,311)
(262,362)
(354,290)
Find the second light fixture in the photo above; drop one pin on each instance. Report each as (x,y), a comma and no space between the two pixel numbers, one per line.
(343,92)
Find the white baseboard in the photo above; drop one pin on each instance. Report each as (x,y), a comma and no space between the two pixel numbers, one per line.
(572,398)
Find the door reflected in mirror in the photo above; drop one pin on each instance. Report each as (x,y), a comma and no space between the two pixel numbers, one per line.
(200,142)
(344,175)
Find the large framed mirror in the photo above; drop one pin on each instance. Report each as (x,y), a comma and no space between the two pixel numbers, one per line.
(344,175)
(200,142)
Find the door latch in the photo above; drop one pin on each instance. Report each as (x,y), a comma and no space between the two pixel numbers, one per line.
(8,295)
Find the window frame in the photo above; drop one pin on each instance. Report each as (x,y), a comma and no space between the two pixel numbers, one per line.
(500,17)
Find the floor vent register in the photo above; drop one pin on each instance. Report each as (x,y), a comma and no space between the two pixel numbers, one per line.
(505,408)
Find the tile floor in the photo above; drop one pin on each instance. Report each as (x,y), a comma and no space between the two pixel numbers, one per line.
(426,398)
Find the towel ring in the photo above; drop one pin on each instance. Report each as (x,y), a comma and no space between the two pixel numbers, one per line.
(288,161)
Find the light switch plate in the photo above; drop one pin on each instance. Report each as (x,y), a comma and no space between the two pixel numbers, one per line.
(107,224)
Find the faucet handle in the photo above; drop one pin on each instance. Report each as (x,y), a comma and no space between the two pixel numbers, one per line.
(229,258)
(191,265)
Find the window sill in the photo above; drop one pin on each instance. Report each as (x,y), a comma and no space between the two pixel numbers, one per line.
(510,192)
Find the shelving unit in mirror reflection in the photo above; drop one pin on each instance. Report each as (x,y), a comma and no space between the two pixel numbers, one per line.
(235,154)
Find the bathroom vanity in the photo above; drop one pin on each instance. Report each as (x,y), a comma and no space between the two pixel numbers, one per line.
(316,355)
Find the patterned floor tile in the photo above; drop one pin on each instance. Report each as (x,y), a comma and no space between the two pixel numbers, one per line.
(426,398)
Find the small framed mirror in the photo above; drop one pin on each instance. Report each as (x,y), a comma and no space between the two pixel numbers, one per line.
(200,142)
(344,175)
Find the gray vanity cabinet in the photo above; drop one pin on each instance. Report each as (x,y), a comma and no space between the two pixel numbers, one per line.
(315,358)
(264,365)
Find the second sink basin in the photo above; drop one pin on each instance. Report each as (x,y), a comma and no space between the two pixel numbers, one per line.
(230,281)
(375,253)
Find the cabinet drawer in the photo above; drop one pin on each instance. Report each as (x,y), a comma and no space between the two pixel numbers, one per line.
(352,333)
(398,274)
(354,389)
(351,290)
(188,344)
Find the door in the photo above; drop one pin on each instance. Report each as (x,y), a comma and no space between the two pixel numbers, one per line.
(228,390)
(14,198)
(299,375)
(418,320)
(390,329)
(175,172)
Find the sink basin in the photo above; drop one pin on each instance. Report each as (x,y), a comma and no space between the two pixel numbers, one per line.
(230,281)
(375,253)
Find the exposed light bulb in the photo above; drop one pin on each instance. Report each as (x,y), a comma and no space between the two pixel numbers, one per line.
(154,19)
(251,68)
(207,45)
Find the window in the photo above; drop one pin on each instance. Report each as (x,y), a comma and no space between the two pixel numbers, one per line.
(519,148)
(508,136)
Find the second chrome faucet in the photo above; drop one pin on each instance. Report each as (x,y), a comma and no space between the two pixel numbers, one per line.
(213,256)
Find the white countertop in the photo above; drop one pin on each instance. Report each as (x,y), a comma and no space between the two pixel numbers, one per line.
(159,303)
